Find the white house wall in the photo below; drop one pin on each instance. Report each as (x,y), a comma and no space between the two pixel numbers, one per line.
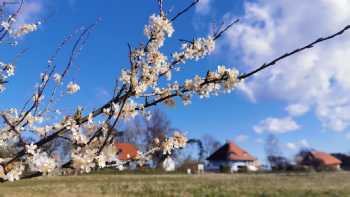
(234,165)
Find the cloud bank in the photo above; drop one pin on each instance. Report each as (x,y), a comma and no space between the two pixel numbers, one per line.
(293,146)
(317,80)
(277,125)
(203,7)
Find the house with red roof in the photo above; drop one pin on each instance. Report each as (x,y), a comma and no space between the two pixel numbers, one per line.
(126,154)
(126,151)
(232,156)
(320,160)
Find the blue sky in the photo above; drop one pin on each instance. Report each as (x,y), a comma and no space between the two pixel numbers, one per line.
(267,29)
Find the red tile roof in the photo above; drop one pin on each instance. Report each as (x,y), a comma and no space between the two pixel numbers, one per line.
(230,152)
(325,158)
(126,151)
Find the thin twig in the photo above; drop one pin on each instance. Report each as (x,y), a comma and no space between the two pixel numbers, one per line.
(308,46)
(184,10)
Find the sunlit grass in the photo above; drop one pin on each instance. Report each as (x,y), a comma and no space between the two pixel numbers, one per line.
(315,184)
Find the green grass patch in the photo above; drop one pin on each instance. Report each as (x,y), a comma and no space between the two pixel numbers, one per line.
(147,185)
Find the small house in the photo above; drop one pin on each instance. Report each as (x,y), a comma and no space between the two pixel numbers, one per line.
(232,157)
(126,151)
(126,155)
(169,164)
(345,160)
(319,160)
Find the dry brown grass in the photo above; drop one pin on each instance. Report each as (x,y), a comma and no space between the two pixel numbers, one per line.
(316,184)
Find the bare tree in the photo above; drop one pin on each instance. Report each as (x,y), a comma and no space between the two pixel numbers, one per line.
(272,146)
(134,133)
(157,127)
(274,154)
(210,144)
(143,132)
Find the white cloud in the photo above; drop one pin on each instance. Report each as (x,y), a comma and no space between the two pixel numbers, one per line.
(203,7)
(248,91)
(241,138)
(277,125)
(318,77)
(304,143)
(30,11)
(297,145)
(297,109)
(291,146)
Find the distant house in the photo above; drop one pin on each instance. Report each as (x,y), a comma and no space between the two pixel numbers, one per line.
(126,151)
(320,160)
(231,156)
(126,154)
(168,164)
(345,160)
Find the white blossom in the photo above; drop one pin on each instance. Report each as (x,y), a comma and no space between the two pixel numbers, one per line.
(57,77)
(83,160)
(41,162)
(9,68)
(72,88)
(31,149)
(15,173)
(177,141)
(6,25)
(90,118)
(25,29)
(157,29)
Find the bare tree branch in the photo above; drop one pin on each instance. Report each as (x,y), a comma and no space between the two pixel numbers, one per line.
(184,10)
(308,46)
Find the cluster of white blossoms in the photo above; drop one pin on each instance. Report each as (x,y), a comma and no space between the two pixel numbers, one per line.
(33,119)
(148,61)
(42,162)
(25,29)
(22,30)
(224,78)
(129,110)
(7,70)
(84,159)
(149,65)
(72,88)
(196,49)
(157,29)
(231,75)
(177,141)
(57,78)
(108,155)
(112,110)
(78,136)
(39,161)
(14,174)
(10,29)
(7,24)
(32,122)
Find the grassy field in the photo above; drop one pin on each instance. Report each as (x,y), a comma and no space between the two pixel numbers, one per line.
(315,184)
